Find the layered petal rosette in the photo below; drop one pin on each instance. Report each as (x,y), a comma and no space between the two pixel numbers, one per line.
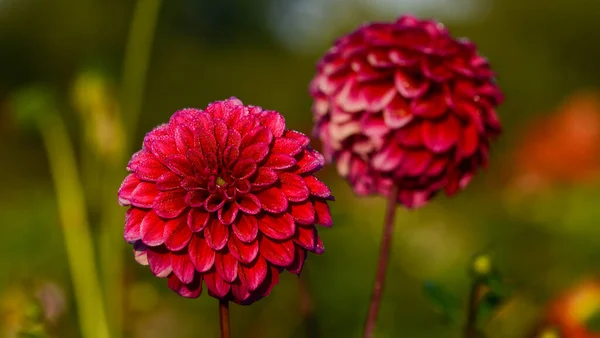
(404,104)
(224,196)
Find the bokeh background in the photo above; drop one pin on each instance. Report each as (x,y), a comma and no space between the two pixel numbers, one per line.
(535,209)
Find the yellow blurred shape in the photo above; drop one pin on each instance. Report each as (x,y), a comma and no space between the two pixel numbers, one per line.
(549,333)
(482,265)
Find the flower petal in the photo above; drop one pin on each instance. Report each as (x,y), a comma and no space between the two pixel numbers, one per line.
(197,219)
(272,120)
(317,188)
(170,204)
(253,274)
(179,164)
(272,200)
(127,188)
(322,213)
(226,266)
(286,146)
(144,194)
(218,287)
(182,267)
(133,221)
(249,204)
(298,263)
(256,152)
(159,259)
(441,135)
(243,252)
(228,213)
(246,228)
(168,181)
(191,290)
(264,177)
(280,161)
(306,237)
(279,253)
(303,213)
(150,169)
(279,227)
(177,234)
(243,169)
(152,229)
(294,187)
(216,234)
(201,255)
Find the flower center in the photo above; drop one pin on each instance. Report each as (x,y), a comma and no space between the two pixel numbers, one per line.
(220,181)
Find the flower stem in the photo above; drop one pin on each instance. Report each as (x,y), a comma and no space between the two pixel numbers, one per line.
(472,306)
(137,59)
(224,318)
(75,227)
(384,255)
(306,308)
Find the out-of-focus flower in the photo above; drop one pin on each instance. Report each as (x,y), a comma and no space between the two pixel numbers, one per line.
(570,313)
(405,104)
(227,196)
(561,148)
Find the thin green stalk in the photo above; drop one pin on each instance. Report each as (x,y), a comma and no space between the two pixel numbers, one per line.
(137,58)
(75,228)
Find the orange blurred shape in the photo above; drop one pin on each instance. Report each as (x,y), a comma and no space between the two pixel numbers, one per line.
(563,147)
(570,312)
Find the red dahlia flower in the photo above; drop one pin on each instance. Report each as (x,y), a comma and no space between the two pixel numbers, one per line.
(404,104)
(227,196)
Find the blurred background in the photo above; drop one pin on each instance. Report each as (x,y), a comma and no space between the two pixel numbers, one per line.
(81,81)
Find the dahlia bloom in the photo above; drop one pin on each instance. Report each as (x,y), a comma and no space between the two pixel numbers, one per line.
(404,104)
(226,196)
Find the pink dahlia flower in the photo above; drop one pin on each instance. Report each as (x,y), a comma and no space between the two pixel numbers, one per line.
(404,104)
(226,196)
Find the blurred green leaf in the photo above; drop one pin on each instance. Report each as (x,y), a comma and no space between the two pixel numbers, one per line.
(443,301)
(593,323)
(31,103)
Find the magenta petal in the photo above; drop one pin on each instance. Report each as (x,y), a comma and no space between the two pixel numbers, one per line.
(264,177)
(243,169)
(216,235)
(197,219)
(179,164)
(253,274)
(191,290)
(397,114)
(214,203)
(272,120)
(279,227)
(469,141)
(294,187)
(279,253)
(316,187)
(255,152)
(241,294)
(216,285)
(286,146)
(310,161)
(249,204)
(272,200)
(280,161)
(170,204)
(159,260)
(144,194)
(430,106)
(388,158)
(243,252)
(177,233)
(350,97)
(303,213)
(226,266)
(152,229)
(298,264)
(133,221)
(195,198)
(127,188)
(306,237)
(246,228)
(183,267)
(378,96)
(415,162)
(228,213)
(322,213)
(150,169)
(168,181)
(408,86)
(441,136)
(201,255)
(259,134)
(302,139)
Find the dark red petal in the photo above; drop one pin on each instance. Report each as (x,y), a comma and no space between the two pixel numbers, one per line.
(319,248)
(272,120)
(137,159)
(415,163)
(240,292)
(152,229)
(429,106)
(279,227)
(191,290)
(272,200)
(140,252)
(303,213)
(306,237)
(244,253)
(270,281)
(227,266)
(294,187)
(150,169)
(253,274)
(397,114)
(310,161)
(350,97)
(197,219)
(244,168)
(264,177)
(255,152)
(299,258)
(126,189)
(322,213)
(378,96)
(205,134)
(228,213)
(184,139)
(177,233)
(441,135)
(302,139)
(182,267)
(179,164)
(230,155)
(436,69)
(133,221)
(243,187)
(408,86)
(201,255)
(170,204)
(410,136)
(279,253)
(469,140)
(403,57)
(216,285)
(216,235)
(316,187)
(192,183)
(259,134)
(195,198)
(249,204)
(280,161)
(286,146)
(162,147)
(168,181)
(221,133)
(144,194)
(159,260)
(196,158)
(214,203)
(246,228)
(388,158)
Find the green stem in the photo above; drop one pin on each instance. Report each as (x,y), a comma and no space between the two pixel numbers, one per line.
(75,228)
(137,58)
